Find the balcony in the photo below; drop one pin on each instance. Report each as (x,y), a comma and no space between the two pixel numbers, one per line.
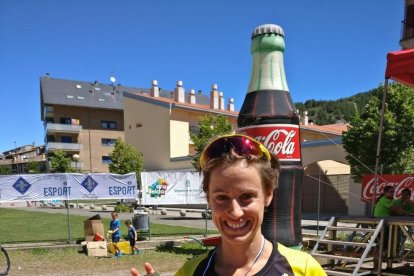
(52,146)
(407,35)
(62,128)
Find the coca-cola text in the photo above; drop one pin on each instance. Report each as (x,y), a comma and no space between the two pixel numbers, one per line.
(398,181)
(281,140)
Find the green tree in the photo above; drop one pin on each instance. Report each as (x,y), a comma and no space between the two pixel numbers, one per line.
(5,170)
(208,126)
(125,159)
(60,163)
(33,167)
(360,141)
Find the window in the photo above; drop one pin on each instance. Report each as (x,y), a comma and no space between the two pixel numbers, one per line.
(108,124)
(108,142)
(65,121)
(106,160)
(50,138)
(66,139)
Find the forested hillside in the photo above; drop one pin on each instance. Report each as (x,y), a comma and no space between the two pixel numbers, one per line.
(330,112)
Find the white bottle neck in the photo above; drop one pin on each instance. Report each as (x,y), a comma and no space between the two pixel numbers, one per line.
(268,72)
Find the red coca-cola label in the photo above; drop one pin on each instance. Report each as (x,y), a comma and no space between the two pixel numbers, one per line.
(398,181)
(282,140)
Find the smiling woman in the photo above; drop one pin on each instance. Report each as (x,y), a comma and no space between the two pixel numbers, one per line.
(239,176)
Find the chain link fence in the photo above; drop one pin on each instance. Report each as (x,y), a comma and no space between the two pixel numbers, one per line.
(331,192)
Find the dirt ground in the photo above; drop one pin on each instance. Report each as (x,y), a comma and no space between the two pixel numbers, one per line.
(72,261)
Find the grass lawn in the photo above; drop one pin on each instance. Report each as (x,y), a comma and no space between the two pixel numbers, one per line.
(19,226)
(71,261)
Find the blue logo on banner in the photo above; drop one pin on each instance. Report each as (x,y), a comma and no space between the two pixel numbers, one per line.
(21,185)
(89,184)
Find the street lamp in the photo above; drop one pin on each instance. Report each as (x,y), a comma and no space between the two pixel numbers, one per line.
(75,158)
(17,157)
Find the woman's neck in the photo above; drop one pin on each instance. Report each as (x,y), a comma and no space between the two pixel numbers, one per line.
(238,259)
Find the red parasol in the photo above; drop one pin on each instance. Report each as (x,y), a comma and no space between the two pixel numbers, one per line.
(400,66)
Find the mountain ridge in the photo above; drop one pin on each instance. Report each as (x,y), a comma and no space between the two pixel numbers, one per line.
(323,112)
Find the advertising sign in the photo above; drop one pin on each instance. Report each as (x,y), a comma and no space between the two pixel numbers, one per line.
(67,186)
(398,181)
(163,188)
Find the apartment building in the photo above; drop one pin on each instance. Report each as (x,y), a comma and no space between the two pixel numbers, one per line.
(15,161)
(407,27)
(83,119)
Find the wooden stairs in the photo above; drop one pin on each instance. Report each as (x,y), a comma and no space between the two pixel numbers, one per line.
(346,256)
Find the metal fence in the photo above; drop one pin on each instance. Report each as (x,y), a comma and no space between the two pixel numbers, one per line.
(324,196)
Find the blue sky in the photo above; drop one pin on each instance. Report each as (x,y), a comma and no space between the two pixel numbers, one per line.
(334,49)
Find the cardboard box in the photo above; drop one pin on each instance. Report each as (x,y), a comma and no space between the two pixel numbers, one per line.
(89,238)
(93,226)
(97,248)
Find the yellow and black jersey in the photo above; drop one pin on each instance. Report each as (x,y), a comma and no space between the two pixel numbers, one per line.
(282,262)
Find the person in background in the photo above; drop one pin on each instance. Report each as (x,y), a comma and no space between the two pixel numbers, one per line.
(239,176)
(382,209)
(403,206)
(386,206)
(115,232)
(132,236)
(384,202)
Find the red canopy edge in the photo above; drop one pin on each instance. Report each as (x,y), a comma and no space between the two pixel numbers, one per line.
(400,66)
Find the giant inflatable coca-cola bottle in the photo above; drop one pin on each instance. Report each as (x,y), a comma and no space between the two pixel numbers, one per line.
(269,115)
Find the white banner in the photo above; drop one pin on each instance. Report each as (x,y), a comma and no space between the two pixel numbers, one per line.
(67,186)
(164,188)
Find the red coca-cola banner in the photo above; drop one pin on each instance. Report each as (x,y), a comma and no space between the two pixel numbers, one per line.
(282,140)
(398,181)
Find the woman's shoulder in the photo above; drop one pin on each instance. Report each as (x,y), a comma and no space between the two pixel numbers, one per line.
(301,263)
(190,266)
(289,252)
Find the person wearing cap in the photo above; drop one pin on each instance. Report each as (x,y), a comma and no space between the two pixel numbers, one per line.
(239,176)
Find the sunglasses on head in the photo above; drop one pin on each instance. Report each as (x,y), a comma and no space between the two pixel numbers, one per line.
(241,145)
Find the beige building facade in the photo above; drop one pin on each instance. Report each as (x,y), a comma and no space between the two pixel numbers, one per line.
(159,127)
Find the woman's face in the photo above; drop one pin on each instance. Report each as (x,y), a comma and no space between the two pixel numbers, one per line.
(237,201)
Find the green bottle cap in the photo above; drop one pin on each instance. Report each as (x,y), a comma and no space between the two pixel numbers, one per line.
(268,37)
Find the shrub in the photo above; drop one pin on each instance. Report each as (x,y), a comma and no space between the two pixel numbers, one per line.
(123,208)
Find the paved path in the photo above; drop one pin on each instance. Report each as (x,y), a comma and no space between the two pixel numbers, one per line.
(192,219)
